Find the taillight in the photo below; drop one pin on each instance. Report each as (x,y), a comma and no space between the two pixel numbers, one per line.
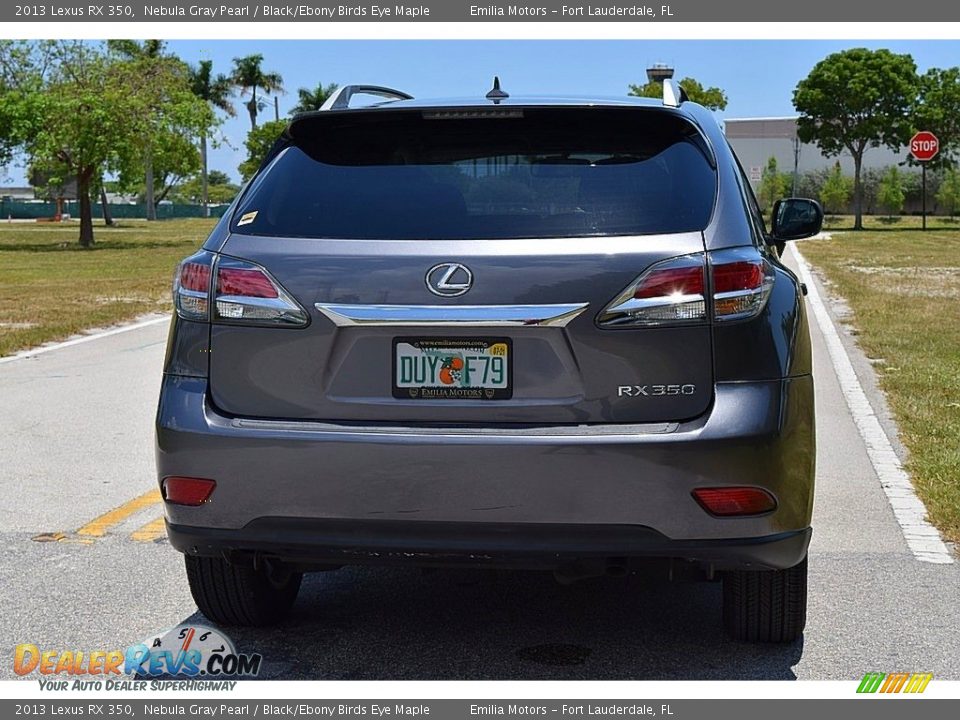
(243,292)
(191,287)
(668,293)
(742,281)
(735,501)
(673,292)
(246,293)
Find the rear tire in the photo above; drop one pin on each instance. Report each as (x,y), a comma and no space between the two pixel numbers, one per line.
(231,594)
(765,605)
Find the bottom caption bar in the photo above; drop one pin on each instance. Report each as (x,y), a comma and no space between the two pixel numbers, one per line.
(785,709)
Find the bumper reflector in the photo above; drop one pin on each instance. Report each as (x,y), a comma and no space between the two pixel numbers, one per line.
(187,490)
(735,501)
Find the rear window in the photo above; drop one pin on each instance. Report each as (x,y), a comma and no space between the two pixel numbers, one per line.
(529,174)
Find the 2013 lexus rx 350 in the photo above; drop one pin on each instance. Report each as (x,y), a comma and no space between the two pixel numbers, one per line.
(541,333)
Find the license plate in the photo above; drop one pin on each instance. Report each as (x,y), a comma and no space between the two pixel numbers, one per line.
(452,368)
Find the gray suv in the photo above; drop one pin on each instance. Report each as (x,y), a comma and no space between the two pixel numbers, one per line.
(533,333)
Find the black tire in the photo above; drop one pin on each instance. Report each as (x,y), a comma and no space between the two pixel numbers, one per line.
(765,605)
(231,594)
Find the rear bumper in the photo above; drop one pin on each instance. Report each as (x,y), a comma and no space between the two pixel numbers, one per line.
(347,542)
(312,489)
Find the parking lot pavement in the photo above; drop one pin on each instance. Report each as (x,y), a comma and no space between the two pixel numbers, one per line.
(84,564)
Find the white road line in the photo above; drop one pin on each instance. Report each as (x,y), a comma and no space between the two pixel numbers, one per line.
(84,338)
(922,538)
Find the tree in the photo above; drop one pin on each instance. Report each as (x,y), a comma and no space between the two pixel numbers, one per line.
(710,97)
(145,53)
(835,191)
(772,185)
(94,113)
(854,100)
(313,99)
(258,144)
(220,190)
(938,110)
(249,75)
(23,67)
(948,196)
(215,91)
(890,193)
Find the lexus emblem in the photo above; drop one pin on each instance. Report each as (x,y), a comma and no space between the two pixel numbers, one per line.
(449,279)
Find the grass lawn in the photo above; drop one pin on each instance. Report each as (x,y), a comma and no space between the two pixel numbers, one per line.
(895,223)
(51,288)
(904,290)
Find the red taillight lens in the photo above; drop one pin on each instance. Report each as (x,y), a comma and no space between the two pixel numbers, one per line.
(187,490)
(245,282)
(671,282)
(735,501)
(195,276)
(246,293)
(741,275)
(670,292)
(191,287)
(742,282)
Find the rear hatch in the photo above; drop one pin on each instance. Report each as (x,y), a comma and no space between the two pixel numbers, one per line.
(455,267)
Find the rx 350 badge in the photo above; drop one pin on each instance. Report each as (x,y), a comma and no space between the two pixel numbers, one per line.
(192,651)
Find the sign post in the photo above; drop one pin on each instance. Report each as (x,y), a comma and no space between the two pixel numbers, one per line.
(924,147)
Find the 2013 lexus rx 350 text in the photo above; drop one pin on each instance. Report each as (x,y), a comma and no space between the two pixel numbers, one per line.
(520,332)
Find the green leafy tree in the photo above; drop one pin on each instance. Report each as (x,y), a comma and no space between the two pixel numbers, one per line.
(890,193)
(219,189)
(938,110)
(948,196)
(854,100)
(835,191)
(23,66)
(313,99)
(710,97)
(249,76)
(772,185)
(258,144)
(215,91)
(82,120)
(94,112)
(146,54)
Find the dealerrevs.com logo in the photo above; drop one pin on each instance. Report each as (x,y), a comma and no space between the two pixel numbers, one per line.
(191,652)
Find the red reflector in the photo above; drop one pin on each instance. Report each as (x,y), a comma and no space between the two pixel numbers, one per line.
(742,275)
(246,282)
(730,501)
(195,276)
(671,281)
(187,490)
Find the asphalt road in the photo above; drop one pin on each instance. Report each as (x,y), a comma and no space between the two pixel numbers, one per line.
(83,565)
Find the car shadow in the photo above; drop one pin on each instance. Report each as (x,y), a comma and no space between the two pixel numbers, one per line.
(365,623)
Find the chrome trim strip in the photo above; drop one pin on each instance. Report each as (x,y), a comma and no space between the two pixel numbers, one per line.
(452,315)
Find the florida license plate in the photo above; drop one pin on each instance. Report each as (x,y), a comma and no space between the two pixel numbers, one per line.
(452,368)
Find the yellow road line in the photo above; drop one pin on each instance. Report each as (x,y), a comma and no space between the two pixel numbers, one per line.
(99,526)
(150,532)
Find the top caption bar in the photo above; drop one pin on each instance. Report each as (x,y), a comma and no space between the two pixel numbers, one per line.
(458,11)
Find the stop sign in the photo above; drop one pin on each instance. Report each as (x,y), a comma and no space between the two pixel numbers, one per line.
(924,145)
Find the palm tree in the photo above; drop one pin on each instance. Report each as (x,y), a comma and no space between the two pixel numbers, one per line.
(215,91)
(248,74)
(147,50)
(313,99)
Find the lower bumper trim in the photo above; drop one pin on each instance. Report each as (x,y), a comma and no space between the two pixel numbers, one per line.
(373,542)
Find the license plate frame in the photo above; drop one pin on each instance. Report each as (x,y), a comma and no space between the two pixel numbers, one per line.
(451,346)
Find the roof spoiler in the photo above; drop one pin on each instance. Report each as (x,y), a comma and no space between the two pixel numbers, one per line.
(673,94)
(340,99)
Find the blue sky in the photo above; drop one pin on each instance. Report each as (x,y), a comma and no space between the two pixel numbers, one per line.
(757,75)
